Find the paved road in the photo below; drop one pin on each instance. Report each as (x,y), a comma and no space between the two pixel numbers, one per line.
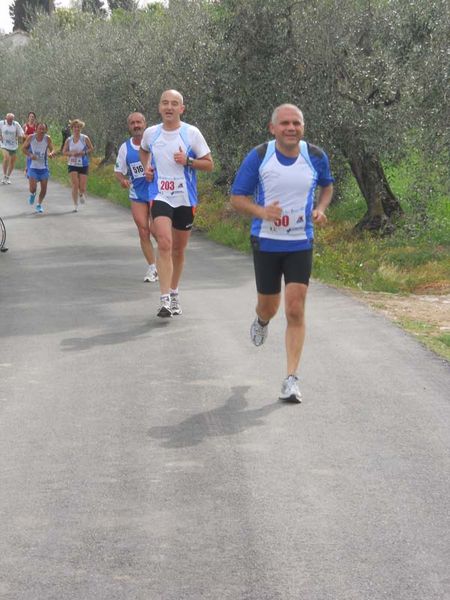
(144,459)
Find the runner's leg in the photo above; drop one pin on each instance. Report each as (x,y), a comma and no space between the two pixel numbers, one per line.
(294,301)
(141,216)
(164,265)
(179,242)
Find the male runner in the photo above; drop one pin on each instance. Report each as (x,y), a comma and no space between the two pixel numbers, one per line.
(172,152)
(11,134)
(276,186)
(130,174)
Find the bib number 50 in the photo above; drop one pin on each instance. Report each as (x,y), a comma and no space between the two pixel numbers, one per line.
(283,222)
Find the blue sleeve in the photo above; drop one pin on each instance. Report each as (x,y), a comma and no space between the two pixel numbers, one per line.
(322,166)
(246,179)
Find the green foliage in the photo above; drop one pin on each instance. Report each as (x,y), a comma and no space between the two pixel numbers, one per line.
(25,12)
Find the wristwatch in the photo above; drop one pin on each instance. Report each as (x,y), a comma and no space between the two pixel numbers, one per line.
(189,161)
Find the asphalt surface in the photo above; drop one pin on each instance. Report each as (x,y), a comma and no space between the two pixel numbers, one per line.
(149,459)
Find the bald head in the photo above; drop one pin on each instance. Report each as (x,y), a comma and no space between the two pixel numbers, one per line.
(170,94)
(275,115)
(171,108)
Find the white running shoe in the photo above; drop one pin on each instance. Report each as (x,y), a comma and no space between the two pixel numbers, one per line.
(175,304)
(258,332)
(8,180)
(151,275)
(164,307)
(82,198)
(290,390)
(75,208)
(4,180)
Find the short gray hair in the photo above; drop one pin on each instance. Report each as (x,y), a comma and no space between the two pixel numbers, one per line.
(278,108)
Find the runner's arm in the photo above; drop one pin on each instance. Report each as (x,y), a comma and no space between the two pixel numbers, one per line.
(246,206)
(26,145)
(145,158)
(323,202)
(65,149)
(51,150)
(204,163)
(90,147)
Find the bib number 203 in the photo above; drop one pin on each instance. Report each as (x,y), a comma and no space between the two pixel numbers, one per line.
(167,186)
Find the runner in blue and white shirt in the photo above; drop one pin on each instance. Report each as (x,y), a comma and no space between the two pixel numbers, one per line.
(130,174)
(38,148)
(276,185)
(171,153)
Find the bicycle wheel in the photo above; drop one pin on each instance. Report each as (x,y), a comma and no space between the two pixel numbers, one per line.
(2,236)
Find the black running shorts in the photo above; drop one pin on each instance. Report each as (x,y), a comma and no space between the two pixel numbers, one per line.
(182,217)
(80,170)
(270,267)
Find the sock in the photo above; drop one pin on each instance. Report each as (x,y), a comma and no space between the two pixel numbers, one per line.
(262,323)
(174,292)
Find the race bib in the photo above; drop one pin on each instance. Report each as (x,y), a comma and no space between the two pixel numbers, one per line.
(137,170)
(75,161)
(172,186)
(291,225)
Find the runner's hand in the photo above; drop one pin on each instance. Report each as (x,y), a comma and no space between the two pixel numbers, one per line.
(319,217)
(273,211)
(180,157)
(149,173)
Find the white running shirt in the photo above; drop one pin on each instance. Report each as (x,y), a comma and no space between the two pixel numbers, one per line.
(177,184)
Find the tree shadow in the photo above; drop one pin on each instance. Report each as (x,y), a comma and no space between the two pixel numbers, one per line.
(229,419)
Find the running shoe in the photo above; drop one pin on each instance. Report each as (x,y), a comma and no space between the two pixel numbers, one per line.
(39,208)
(4,180)
(75,208)
(82,198)
(31,199)
(164,308)
(290,390)
(151,274)
(175,304)
(258,332)
(8,180)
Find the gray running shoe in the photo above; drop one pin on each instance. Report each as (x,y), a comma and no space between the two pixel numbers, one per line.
(290,390)
(164,308)
(175,304)
(82,198)
(151,275)
(258,332)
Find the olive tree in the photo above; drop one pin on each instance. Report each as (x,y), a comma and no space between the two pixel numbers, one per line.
(349,64)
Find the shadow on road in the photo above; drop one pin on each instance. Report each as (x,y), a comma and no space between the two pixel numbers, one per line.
(229,419)
(113,337)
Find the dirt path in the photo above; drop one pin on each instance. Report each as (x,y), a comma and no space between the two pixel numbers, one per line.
(426,316)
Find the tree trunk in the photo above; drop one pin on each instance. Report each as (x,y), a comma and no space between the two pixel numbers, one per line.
(382,205)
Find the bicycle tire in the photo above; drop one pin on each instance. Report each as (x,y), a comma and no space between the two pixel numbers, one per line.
(2,234)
